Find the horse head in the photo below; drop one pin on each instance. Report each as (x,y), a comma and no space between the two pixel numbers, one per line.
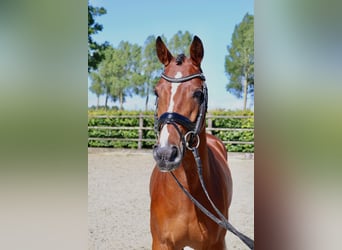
(181,104)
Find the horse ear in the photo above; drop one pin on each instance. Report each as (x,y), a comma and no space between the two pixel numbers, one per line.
(163,53)
(196,51)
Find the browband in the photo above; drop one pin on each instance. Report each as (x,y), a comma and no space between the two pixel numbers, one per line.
(183,79)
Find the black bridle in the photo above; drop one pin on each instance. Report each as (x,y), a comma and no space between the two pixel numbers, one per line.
(173,118)
(192,143)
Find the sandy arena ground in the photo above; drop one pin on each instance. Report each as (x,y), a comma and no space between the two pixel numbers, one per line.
(118,199)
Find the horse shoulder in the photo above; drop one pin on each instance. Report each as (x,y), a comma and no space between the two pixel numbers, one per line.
(219,164)
(217,145)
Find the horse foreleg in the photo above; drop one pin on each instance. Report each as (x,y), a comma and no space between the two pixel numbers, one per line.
(219,246)
(157,245)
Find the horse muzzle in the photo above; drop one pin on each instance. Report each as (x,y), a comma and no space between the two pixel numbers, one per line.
(168,158)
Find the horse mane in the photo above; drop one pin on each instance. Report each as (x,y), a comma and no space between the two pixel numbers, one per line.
(180,59)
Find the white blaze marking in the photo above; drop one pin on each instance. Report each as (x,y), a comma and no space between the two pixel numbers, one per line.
(164,134)
(174,87)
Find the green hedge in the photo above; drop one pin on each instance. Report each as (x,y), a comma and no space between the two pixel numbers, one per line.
(245,136)
(149,134)
(117,134)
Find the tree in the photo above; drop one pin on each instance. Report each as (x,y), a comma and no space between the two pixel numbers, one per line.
(120,71)
(97,86)
(239,63)
(95,50)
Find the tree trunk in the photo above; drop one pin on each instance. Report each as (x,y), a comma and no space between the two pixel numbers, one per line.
(147,97)
(106,101)
(98,102)
(245,92)
(121,101)
(146,104)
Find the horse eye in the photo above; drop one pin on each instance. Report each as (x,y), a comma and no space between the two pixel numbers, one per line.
(199,96)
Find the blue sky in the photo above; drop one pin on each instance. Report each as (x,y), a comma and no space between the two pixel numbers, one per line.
(212,21)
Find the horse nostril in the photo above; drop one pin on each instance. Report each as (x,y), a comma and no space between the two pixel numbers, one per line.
(161,153)
(157,152)
(174,153)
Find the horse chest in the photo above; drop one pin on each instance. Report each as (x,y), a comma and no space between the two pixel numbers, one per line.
(177,219)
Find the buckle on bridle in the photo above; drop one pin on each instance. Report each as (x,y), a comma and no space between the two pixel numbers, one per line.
(194,139)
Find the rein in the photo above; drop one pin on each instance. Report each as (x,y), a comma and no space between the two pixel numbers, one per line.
(222,221)
(193,131)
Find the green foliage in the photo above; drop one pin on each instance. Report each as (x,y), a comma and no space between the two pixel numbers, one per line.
(120,71)
(235,123)
(95,50)
(97,86)
(123,121)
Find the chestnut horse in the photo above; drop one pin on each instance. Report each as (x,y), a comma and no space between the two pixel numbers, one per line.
(180,121)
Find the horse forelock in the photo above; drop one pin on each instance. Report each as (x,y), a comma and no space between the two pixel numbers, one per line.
(180,59)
